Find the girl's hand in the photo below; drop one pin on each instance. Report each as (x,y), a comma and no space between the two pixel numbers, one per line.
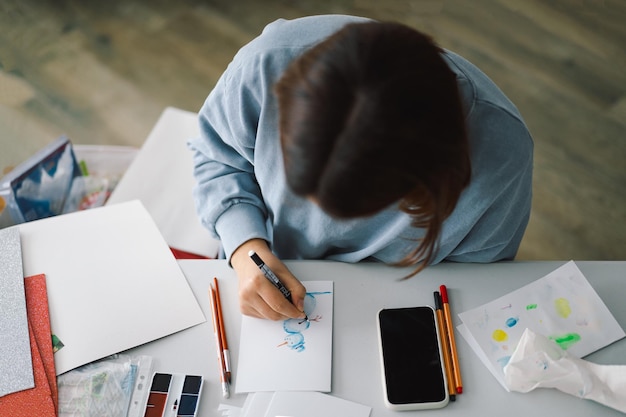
(258,297)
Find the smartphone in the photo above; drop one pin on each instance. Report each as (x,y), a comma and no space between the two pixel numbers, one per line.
(413,374)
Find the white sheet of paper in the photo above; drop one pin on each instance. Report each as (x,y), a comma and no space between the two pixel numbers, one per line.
(256,403)
(228,410)
(167,161)
(16,366)
(113,283)
(561,306)
(290,355)
(314,404)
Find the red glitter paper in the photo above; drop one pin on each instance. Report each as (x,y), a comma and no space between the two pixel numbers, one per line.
(40,401)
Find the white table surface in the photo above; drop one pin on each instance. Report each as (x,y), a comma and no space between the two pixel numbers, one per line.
(363,289)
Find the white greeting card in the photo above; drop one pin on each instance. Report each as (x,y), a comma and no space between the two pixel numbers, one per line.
(289,355)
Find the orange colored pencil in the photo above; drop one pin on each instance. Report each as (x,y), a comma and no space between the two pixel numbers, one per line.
(218,341)
(445,346)
(222,330)
(455,357)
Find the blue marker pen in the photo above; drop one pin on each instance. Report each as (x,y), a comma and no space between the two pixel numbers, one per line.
(271,277)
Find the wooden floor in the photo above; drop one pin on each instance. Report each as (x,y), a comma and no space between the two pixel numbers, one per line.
(102,72)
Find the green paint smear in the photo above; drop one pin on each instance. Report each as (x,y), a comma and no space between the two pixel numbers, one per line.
(567,340)
(531,306)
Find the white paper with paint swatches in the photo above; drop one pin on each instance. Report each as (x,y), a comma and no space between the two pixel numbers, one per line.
(561,306)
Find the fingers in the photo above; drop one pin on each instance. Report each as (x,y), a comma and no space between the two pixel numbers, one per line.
(298,292)
(260,298)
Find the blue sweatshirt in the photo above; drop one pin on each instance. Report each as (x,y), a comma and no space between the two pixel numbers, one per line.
(241,192)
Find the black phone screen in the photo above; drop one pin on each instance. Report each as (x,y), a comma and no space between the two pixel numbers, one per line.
(411,360)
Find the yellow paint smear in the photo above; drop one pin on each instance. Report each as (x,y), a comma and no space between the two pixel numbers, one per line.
(562,307)
(499,335)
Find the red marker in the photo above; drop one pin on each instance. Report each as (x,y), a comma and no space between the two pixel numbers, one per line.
(445,346)
(450,332)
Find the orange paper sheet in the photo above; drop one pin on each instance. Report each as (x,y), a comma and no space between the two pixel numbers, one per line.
(42,400)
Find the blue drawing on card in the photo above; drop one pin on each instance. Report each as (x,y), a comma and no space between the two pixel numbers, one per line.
(294,327)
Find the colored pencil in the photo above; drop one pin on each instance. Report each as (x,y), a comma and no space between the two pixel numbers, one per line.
(218,342)
(445,346)
(222,331)
(450,330)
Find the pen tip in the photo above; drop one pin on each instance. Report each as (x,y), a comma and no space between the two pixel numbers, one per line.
(452,397)
(459,390)
(437,300)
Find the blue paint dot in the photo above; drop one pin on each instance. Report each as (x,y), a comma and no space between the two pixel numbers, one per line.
(503,361)
(512,321)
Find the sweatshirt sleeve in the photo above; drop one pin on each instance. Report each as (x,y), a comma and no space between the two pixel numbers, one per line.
(227,197)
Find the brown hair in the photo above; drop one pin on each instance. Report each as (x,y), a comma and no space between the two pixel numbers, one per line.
(369,117)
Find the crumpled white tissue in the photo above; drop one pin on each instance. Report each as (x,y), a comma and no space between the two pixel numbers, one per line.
(540,363)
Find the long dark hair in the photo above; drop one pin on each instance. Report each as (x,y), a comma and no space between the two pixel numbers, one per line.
(370,117)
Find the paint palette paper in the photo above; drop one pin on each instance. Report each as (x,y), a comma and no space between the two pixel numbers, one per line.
(561,306)
(289,355)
